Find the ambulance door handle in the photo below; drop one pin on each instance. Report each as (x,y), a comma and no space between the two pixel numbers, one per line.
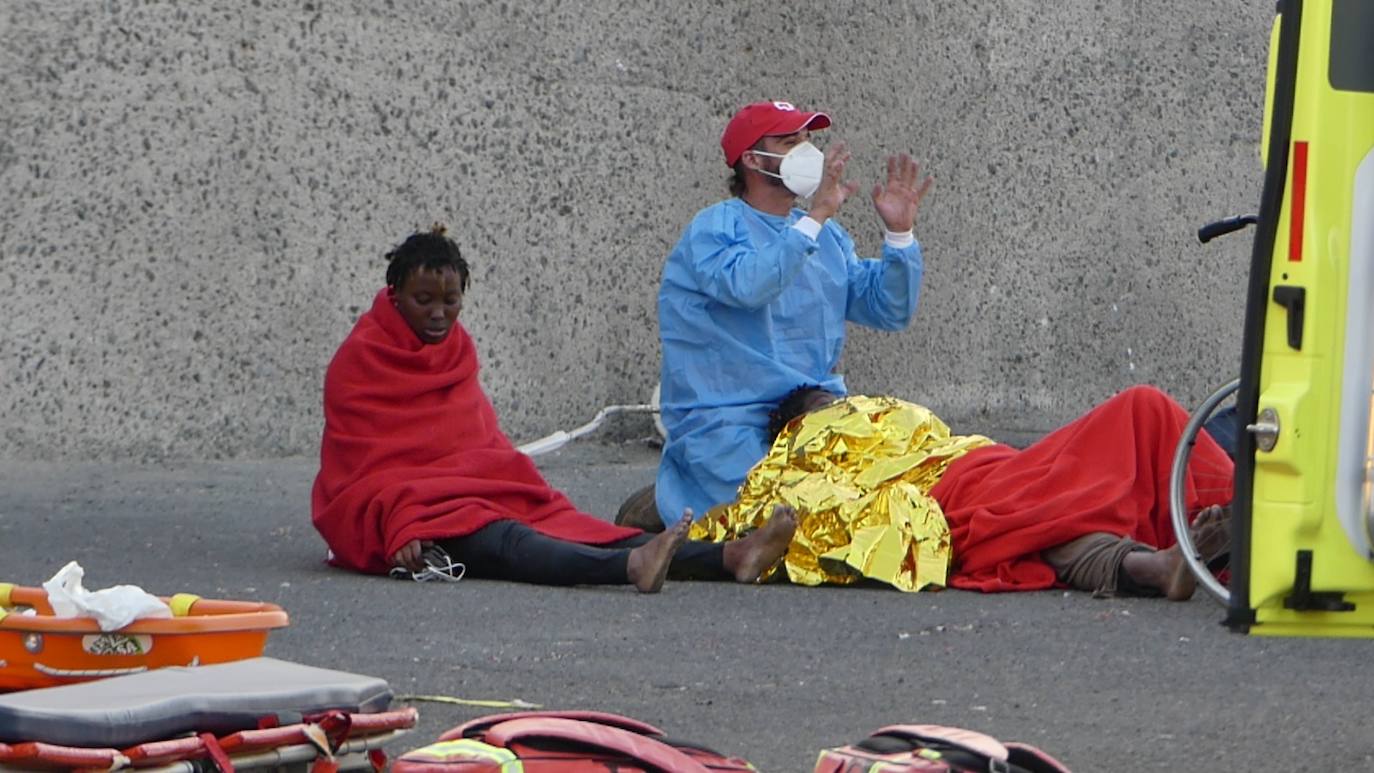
(1295,300)
(1265,430)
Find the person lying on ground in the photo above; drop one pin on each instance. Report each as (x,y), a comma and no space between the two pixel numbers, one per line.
(884,491)
(413,458)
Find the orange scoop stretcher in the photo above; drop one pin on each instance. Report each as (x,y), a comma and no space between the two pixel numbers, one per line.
(38,649)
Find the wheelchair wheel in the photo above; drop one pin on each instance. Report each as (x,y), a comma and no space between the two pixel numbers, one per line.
(1177,489)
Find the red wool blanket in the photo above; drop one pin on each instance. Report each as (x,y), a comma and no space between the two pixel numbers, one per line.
(412,450)
(1107,471)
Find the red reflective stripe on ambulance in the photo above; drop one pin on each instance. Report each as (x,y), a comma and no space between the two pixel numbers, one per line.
(1299,202)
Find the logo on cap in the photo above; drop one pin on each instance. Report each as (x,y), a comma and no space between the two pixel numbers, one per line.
(784,106)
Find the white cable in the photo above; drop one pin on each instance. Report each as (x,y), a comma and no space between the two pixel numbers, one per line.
(438,566)
(561,438)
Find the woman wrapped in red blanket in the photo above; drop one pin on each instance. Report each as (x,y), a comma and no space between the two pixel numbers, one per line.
(413,457)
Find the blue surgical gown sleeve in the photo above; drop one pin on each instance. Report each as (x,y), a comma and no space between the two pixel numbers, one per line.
(730,268)
(882,293)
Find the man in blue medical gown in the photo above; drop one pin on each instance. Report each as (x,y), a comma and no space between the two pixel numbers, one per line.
(756,294)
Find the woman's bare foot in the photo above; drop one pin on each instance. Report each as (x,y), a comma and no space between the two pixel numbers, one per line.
(648,563)
(751,556)
(1163,570)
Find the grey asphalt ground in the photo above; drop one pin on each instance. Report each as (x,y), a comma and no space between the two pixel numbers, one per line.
(772,673)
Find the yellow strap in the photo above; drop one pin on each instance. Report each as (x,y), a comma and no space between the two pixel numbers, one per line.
(181,604)
(4,613)
(6,588)
(480,703)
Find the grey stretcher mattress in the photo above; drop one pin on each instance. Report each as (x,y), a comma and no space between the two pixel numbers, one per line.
(128,710)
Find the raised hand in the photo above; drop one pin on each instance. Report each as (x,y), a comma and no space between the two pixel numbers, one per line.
(898,199)
(833,190)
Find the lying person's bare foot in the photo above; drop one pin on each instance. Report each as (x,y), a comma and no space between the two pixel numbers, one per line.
(1182,583)
(1211,533)
(648,563)
(1163,570)
(751,556)
(1167,571)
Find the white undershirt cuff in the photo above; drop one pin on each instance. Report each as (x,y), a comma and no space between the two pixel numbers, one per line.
(898,240)
(810,227)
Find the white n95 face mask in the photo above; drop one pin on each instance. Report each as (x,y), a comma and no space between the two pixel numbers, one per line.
(800,170)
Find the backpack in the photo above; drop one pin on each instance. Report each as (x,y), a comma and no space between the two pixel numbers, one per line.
(935,749)
(565,741)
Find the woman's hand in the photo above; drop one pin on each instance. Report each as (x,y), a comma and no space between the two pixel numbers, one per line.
(409,555)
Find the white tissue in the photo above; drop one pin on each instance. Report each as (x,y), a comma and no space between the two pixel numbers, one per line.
(112,608)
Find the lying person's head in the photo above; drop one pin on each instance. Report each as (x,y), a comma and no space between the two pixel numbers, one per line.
(426,278)
(803,399)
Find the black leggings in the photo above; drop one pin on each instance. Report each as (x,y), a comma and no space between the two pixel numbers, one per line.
(510,550)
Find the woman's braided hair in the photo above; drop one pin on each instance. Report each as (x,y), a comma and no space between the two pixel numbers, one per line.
(430,250)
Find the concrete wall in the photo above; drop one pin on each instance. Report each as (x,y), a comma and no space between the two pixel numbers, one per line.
(195,196)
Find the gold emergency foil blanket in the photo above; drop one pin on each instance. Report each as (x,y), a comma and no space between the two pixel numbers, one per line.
(859,474)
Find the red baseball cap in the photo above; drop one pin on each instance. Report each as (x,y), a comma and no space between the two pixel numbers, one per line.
(765,119)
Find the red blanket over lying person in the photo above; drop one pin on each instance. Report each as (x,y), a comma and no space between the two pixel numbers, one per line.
(412,450)
(1106,471)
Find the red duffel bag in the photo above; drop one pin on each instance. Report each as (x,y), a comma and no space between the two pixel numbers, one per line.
(565,741)
(935,749)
